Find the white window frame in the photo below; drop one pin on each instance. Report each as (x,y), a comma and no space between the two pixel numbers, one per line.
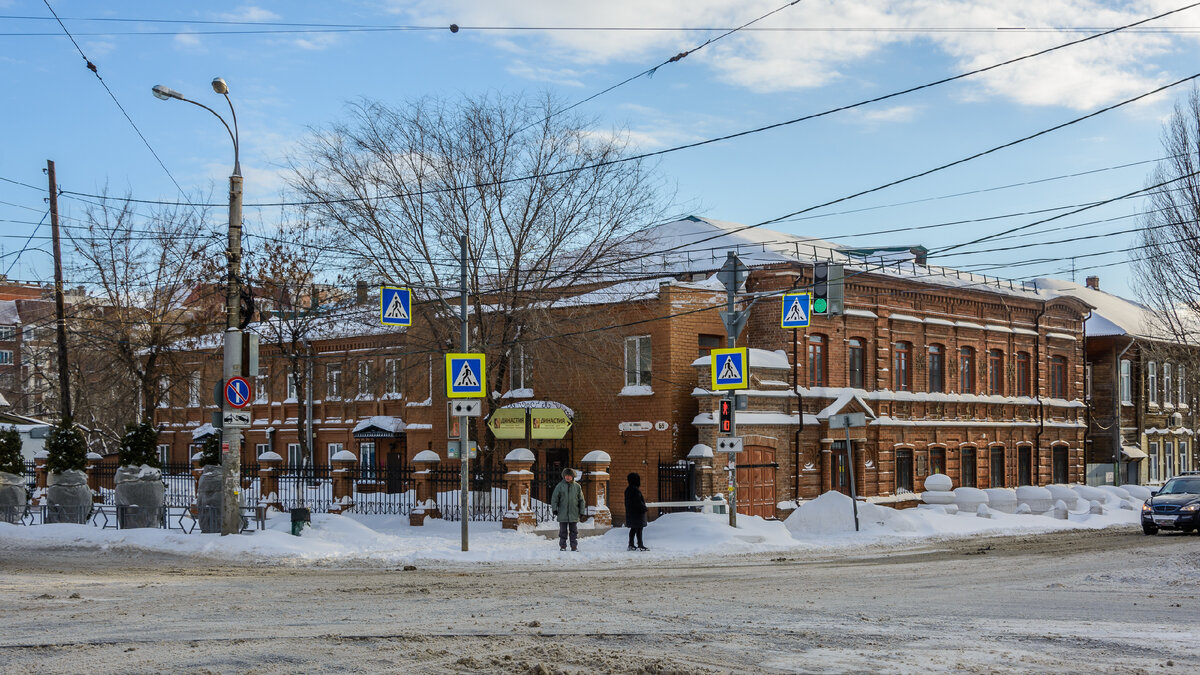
(8,333)
(1153,453)
(295,455)
(333,382)
(391,376)
(332,449)
(293,391)
(519,376)
(6,357)
(164,453)
(366,378)
(1185,459)
(1182,375)
(1152,381)
(261,384)
(1168,465)
(1126,381)
(1087,381)
(640,344)
(260,449)
(164,392)
(194,390)
(1166,378)
(368,459)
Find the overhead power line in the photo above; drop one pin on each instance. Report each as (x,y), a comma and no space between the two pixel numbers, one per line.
(696,144)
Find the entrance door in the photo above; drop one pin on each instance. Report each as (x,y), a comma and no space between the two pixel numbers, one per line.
(904,470)
(756,481)
(839,472)
(967,464)
(1024,465)
(1060,464)
(398,473)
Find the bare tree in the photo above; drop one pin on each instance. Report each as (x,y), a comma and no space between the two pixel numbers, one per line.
(142,273)
(543,203)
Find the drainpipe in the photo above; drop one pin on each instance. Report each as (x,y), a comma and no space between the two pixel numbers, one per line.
(1036,469)
(1117,438)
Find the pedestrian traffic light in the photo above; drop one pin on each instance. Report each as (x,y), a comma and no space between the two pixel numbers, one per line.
(726,416)
(827,296)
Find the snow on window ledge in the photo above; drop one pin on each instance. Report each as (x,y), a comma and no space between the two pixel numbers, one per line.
(636,390)
(419,404)
(518,393)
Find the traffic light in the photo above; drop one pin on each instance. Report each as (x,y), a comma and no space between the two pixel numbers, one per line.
(828,293)
(726,416)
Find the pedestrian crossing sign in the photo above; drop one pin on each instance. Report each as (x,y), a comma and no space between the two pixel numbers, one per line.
(395,306)
(465,375)
(730,368)
(796,310)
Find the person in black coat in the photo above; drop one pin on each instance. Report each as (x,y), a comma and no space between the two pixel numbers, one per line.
(635,511)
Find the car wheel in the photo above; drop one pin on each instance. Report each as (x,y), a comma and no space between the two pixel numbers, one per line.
(1149,529)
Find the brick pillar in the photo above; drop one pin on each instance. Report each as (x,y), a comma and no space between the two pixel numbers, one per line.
(517,513)
(595,487)
(425,505)
(826,466)
(702,455)
(39,461)
(269,464)
(344,463)
(860,466)
(93,477)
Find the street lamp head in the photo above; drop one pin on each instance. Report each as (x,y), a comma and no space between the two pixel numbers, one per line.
(166,93)
(219,86)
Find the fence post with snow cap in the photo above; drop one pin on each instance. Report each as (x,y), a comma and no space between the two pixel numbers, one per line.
(702,456)
(269,464)
(517,512)
(93,476)
(344,463)
(595,487)
(425,506)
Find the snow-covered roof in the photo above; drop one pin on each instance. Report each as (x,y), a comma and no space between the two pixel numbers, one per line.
(1113,315)
(9,315)
(205,429)
(384,422)
(759,358)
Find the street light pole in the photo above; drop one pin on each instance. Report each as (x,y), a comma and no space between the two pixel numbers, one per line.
(231,436)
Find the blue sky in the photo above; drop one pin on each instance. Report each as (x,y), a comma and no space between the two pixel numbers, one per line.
(284,83)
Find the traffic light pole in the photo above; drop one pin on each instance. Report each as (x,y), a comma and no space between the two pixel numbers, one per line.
(731,331)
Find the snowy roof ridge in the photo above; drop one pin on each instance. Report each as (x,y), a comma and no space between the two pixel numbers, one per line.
(1112,314)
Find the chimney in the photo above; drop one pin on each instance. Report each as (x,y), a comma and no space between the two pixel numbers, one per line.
(1093,283)
(360,292)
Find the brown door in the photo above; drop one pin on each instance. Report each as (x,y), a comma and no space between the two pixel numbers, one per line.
(756,481)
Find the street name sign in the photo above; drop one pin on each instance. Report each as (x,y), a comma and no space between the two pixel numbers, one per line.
(395,306)
(730,368)
(465,375)
(635,426)
(795,310)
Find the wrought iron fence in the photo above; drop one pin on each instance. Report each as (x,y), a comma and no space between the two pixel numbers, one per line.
(676,483)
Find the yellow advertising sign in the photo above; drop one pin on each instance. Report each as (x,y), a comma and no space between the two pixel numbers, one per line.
(508,423)
(548,423)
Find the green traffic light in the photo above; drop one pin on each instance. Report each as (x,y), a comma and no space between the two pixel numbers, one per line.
(819,306)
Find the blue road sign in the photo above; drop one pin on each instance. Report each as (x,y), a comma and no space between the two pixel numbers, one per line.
(796,310)
(395,306)
(729,368)
(465,375)
(237,392)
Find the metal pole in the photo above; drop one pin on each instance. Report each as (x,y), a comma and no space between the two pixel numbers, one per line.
(231,436)
(64,379)
(731,341)
(464,452)
(853,487)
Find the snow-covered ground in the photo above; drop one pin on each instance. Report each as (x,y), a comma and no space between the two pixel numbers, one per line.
(823,524)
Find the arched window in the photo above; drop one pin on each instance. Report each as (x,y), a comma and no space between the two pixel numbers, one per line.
(816,361)
(856,362)
(967,466)
(1058,377)
(995,371)
(1024,373)
(966,370)
(902,366)
(937,460)
(904,470)
(937,368)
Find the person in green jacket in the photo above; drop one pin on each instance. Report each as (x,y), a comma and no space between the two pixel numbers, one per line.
(569,507)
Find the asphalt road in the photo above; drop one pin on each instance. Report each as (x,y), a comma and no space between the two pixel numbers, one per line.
(1087,602)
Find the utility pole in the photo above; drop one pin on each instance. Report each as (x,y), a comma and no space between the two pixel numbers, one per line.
(464,452)
(231,436)
(734,321)
(64,380)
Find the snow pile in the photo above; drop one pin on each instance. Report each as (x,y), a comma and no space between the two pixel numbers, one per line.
(832,513)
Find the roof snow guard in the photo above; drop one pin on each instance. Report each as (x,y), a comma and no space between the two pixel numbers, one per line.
(380,426)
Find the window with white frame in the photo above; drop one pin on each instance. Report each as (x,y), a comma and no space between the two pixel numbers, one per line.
(366,379)
(637,361)
(293,392)
(8,332)
(193,390)
(1153,453)
(1185,459)
(1126,381)
(295,458)
(164,453)
(6,357)
(1183,400)
(333,381)
(164,392)
(1087,381)
(391,376)
(1167,392)
(261,384)
(333,449)
(519,366)
(261,448)
(1152,381)
(367,459)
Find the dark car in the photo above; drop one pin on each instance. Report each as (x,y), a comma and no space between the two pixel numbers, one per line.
(1175,507)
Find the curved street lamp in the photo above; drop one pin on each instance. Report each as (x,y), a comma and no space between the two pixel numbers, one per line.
(231,436)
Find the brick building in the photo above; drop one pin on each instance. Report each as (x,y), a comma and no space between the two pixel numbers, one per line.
(967,375)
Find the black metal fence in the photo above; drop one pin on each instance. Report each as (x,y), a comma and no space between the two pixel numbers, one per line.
(676,483)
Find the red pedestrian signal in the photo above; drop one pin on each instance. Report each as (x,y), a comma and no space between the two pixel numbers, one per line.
(726,416)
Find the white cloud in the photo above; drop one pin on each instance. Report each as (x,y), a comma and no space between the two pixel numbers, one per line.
(899,113)
(250,13)
(561,76)
(188,41)
(1086,76)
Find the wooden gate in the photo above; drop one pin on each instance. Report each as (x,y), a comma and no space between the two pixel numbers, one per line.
(756,469)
